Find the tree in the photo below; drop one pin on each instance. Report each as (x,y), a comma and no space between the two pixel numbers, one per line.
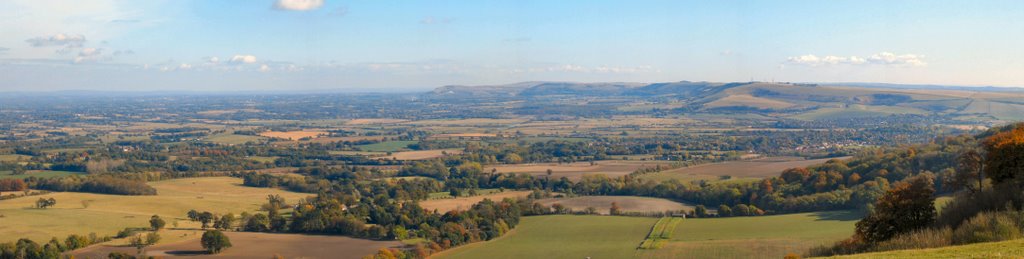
(225,222)
(156,222)
(1004,151)
(700,211)
(206,218)
(724,211)
(257,223)
(908,206)
(193,215)
(970,165)
(45,203)
(152,238)
(615,209)
(215,241)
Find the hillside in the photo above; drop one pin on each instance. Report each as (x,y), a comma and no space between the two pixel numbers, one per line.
(1004,249)
(793,101)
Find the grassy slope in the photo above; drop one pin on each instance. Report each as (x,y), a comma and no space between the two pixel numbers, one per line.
(1005,249)
(759,237)
(563,236)
(106,214)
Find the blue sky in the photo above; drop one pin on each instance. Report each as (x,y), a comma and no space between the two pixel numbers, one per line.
(416,45)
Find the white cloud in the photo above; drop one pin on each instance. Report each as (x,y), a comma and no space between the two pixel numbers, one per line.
(184,66)
(88,55)
(298,5)
(66,41)
(264,68)
(246,59)
(883,58)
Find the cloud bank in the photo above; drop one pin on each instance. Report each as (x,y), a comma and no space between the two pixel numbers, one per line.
(298,5)
(883,58)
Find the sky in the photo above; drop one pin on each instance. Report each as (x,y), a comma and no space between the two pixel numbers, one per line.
(390,46)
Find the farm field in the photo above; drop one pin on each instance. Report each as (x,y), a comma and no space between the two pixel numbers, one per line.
(388,146)
(84,213)
(461,203)
(1004,249)
(255,245)
(37,173)
(234,139)
(627,203)
(755,237)
(14,158)
(757,168)
(293,135)
(423,154)
(563,236)
(575,171)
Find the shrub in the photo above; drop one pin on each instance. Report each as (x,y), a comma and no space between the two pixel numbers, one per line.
(918,239)
(988,227)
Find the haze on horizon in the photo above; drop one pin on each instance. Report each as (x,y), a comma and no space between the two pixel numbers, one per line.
(106,45)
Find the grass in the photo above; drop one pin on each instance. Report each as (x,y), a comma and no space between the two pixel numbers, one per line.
(233,139)
(1004,249)
(387,146)
(563,236)
(37,173)
(84,213)
(14,158)
(661,232)
(755,237)
(263,159)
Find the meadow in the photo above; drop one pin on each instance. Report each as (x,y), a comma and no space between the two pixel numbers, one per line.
(37,173)
(757,168)
(563,236)
(462,203)
(755,237)
(575,171)
(388,146)
(255,245)
(1004,249)
(84,213)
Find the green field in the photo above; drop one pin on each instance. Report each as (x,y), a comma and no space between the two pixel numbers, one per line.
(37,173)
(856,111)
(84,213)
(755,237)
(661,232)
(1004,249)
(233,139)
(14,158)
(563,236)
(387,146)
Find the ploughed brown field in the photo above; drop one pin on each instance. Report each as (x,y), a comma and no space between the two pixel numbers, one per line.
(757,168)
(255,245)
(462,203)
(627,203)
(575,171)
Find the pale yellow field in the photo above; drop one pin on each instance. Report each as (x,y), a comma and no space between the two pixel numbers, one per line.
(423,154)
(293,135)
(106,214)
(463,203)
(611,168)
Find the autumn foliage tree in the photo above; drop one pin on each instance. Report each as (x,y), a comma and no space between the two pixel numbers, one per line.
(1004,158)
(907,206)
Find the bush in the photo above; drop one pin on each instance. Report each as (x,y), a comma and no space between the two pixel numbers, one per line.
(918,239)
(988,227)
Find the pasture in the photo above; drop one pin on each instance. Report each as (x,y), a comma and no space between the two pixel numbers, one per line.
(755,237)
(575,171)
(387,146)
(757,168)
(37,173)
(255,245)
(293,135)
(627,203)
(14,158)
(233,139)
(84,213)
(563,236)
(423,154)
(462,203)
(1004,249)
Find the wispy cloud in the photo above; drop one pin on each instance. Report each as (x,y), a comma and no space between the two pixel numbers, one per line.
(298,5)
(246,59)
(883,58)
(59,40)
